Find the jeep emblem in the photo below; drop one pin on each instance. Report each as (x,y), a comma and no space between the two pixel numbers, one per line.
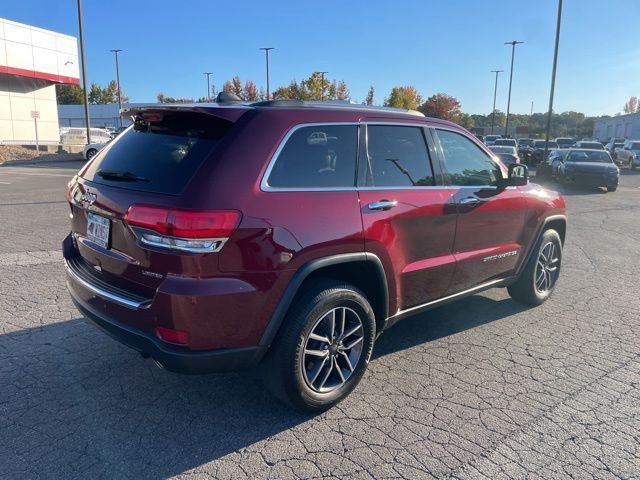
(88,197)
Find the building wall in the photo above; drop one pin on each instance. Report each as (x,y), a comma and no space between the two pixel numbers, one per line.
(19,96)
(622,126)
(32,61)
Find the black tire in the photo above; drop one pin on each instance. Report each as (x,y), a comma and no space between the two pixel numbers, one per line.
(285,366)
(611,189)
(525,289)
(91,153)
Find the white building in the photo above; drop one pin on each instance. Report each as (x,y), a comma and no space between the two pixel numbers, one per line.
(32,61)
(622,126)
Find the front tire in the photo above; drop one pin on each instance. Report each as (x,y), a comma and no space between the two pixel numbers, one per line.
(538,279)
(611,189)
(323,347)
(91,153)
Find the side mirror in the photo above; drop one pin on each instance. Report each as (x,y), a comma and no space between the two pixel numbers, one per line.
(518,176)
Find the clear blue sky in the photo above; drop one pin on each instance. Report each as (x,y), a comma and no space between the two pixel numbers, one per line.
(437,45)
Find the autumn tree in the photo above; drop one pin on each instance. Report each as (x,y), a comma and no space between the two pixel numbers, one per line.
(404,97)
(442,106)
(313,88)
(370,94)
(342,91)
(248,92)
(631,105)
(69,94)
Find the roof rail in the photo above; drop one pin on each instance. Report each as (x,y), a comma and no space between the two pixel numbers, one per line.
(340,104)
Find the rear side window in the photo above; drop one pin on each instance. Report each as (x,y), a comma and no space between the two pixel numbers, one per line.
(320,156)
(397,156)
(160,153)
(466,164)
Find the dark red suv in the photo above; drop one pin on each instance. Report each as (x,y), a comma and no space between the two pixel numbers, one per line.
(290,235)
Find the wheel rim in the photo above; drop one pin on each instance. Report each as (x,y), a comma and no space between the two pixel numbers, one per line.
(332,350)
(547,268)
(90,154)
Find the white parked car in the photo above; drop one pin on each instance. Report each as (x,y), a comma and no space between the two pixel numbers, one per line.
(90,150)
(78,136)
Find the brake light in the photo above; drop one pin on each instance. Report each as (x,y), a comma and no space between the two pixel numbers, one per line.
(189,230)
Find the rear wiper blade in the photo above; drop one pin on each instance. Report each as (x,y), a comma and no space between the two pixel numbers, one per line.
(121,176)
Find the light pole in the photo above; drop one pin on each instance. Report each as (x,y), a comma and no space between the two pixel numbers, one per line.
(322,85)
(84,74)
(513,53)
(266,51)
(116,51)
(495,91)
(553,80)
(208,97)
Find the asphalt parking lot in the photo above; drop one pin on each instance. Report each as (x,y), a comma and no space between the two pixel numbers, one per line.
(483,388)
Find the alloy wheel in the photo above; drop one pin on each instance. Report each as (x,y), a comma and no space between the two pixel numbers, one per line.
(547,268)
(333,349)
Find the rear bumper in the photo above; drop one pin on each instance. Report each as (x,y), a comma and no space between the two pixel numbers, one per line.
(179,361)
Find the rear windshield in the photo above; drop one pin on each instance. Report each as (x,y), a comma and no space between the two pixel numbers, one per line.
(594,156)
(635,146)
(506,141)
(503,149)
(525,142)
(160,153)
(593,145)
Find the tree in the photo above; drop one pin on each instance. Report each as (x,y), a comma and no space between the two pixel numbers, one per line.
(95,94)
(342,91)
(108,94)
(162,98)
(442,106)
(404,97)
(370,94)
(69,94)
(631,106)
(250,91)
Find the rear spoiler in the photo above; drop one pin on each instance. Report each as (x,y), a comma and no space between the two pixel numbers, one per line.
(230,113)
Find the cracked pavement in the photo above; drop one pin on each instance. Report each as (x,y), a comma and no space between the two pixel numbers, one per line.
(483,388)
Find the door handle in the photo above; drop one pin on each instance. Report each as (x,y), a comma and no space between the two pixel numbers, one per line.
(382,205)
(469,201)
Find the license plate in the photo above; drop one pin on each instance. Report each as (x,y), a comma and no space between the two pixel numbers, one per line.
(98,229)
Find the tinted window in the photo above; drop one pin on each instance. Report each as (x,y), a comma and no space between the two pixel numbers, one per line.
(594,156)
(397,157)
(635,146)
(317,157)
(162,153)
(466,163)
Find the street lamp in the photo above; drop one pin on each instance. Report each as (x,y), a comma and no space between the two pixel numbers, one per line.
(322,85)
(495,91)
(116,51)
(84,74)
(553,80)
(208,74)
(266,51)
(513,52)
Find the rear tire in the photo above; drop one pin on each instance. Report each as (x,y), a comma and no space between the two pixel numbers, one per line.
(309,367)
(91,153)
(538,279)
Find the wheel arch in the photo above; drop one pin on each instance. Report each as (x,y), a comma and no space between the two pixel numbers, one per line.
(557,223)
(363,270)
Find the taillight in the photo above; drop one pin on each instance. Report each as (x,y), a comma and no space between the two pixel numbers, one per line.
(188,230)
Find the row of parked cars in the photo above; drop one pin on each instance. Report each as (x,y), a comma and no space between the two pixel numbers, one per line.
(585,162)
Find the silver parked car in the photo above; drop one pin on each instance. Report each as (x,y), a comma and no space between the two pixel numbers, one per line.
(629,153)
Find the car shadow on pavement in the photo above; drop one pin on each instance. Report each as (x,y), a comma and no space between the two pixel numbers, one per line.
(72,399)
(441,322)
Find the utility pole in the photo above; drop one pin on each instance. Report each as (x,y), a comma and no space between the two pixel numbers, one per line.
(553,81)
(495,91)
(513,53)
(84,74)
(266,51)
(116,51)
(322,86)
(208,97)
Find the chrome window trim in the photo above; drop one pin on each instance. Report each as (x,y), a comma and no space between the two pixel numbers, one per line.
(265,187)
(264,182)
